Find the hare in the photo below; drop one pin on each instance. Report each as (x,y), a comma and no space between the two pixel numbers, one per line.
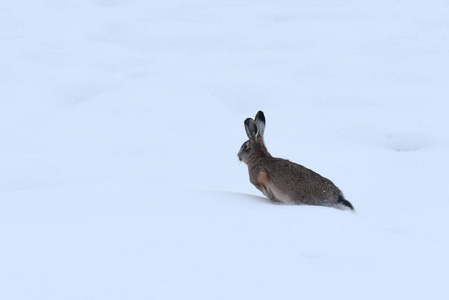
(281,180)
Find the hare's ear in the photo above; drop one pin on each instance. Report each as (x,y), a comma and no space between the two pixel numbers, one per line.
(251,129)
(260,121)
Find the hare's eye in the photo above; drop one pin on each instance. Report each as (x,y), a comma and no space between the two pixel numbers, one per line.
(246,147)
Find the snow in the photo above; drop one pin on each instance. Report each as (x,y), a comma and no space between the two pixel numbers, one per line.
(120,122)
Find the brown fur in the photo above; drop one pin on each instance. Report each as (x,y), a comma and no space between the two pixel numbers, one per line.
(284,181)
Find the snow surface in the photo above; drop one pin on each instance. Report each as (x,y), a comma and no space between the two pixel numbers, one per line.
(120,122)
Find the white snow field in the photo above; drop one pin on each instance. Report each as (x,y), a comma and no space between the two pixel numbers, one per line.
(120,121)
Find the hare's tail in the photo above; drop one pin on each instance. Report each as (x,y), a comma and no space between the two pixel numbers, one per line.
(345,202)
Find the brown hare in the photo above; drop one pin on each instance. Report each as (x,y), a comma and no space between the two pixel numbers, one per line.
(284,181)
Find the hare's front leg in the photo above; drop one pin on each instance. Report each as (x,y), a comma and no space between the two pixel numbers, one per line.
(260,180)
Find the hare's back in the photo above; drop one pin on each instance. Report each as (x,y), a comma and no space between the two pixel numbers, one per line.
(302,184)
